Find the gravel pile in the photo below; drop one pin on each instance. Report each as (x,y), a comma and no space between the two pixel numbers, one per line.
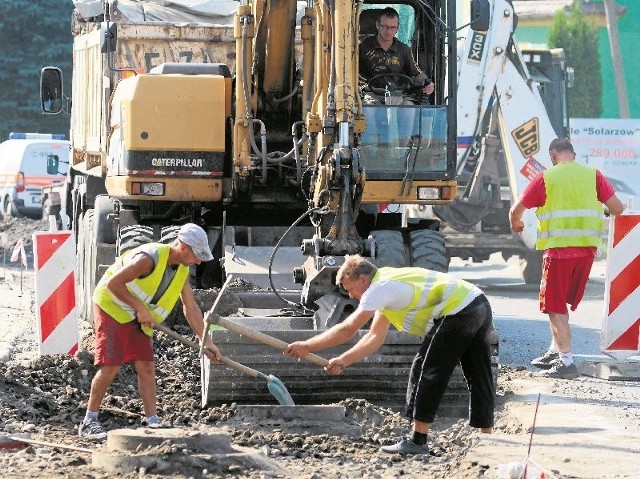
(47,396)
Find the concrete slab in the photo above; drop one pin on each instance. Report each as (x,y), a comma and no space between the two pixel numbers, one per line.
(313,419)
(251,263)
(267,299)
(324,413)
(188,465)
(611,371)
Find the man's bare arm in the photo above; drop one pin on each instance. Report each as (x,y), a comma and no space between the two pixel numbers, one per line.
(333,336)
(515,217)
(613,206)
(368,344)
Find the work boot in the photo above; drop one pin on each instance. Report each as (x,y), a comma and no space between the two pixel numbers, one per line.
(92,429)
(546,360)
(406,446)
(559,370)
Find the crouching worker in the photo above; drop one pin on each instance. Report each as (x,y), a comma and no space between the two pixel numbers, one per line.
(455,319)
(140,288)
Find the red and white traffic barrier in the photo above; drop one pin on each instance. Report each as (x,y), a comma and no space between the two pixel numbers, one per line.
(620,333)
(55,294)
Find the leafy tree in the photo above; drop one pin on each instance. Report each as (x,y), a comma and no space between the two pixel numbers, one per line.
(32,35)
(579,39)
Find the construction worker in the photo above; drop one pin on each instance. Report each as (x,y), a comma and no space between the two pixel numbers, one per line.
(568,198)
(140,288)
(455,319)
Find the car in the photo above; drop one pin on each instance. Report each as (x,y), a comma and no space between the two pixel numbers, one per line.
(23,171)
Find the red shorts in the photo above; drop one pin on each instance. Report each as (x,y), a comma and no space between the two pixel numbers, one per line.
(118,344)
(563,282)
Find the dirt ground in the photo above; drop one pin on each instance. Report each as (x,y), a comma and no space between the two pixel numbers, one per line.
(586,428)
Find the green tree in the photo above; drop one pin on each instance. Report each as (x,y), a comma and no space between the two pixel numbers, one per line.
(32,35)
(579,39)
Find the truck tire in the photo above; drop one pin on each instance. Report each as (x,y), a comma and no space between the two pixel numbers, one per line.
(204,276)
(389,248)
(168,234)
(103,207)
(531,266)
(428,250)
(86,267)
(80,269)
(132,236)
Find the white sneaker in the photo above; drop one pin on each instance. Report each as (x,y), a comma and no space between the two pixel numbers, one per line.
(92,430)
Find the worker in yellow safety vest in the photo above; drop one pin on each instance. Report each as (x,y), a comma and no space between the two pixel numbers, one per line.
(568,198)
(140,288)
(454,317)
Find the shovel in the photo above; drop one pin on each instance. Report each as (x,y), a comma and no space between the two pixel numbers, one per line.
(276,387)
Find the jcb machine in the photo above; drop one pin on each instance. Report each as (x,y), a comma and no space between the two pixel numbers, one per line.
(511,103)
(257,132)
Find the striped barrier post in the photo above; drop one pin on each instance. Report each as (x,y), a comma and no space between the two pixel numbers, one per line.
(620,333)
(55,295)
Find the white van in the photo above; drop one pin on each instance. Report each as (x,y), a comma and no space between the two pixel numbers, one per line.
(23,171)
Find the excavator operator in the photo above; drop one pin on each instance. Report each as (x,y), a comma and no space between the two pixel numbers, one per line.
(385,60)
(390,76)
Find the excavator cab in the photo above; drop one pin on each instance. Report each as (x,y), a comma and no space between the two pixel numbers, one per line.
(408,132)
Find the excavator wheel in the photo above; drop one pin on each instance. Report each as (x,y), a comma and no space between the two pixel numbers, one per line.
(132,236)
(531,266)
(428,250)
(389,248)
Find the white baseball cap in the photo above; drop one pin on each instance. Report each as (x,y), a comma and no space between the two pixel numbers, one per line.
(194,236)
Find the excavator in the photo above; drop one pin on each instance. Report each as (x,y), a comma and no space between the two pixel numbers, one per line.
(248,119)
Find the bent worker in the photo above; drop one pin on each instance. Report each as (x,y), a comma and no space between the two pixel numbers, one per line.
(140,288)
(569,198)
(455,319)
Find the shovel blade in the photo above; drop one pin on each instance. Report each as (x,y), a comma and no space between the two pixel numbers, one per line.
(279,391)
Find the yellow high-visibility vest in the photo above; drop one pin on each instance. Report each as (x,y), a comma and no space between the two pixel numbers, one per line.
(142,288)
(572,216)
(435,295)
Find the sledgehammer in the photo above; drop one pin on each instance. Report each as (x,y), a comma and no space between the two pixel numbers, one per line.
(212,317)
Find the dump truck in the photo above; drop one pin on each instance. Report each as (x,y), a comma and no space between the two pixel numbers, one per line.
(247,119)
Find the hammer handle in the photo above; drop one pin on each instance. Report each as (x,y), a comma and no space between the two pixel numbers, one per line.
(226,361)
(262,338)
